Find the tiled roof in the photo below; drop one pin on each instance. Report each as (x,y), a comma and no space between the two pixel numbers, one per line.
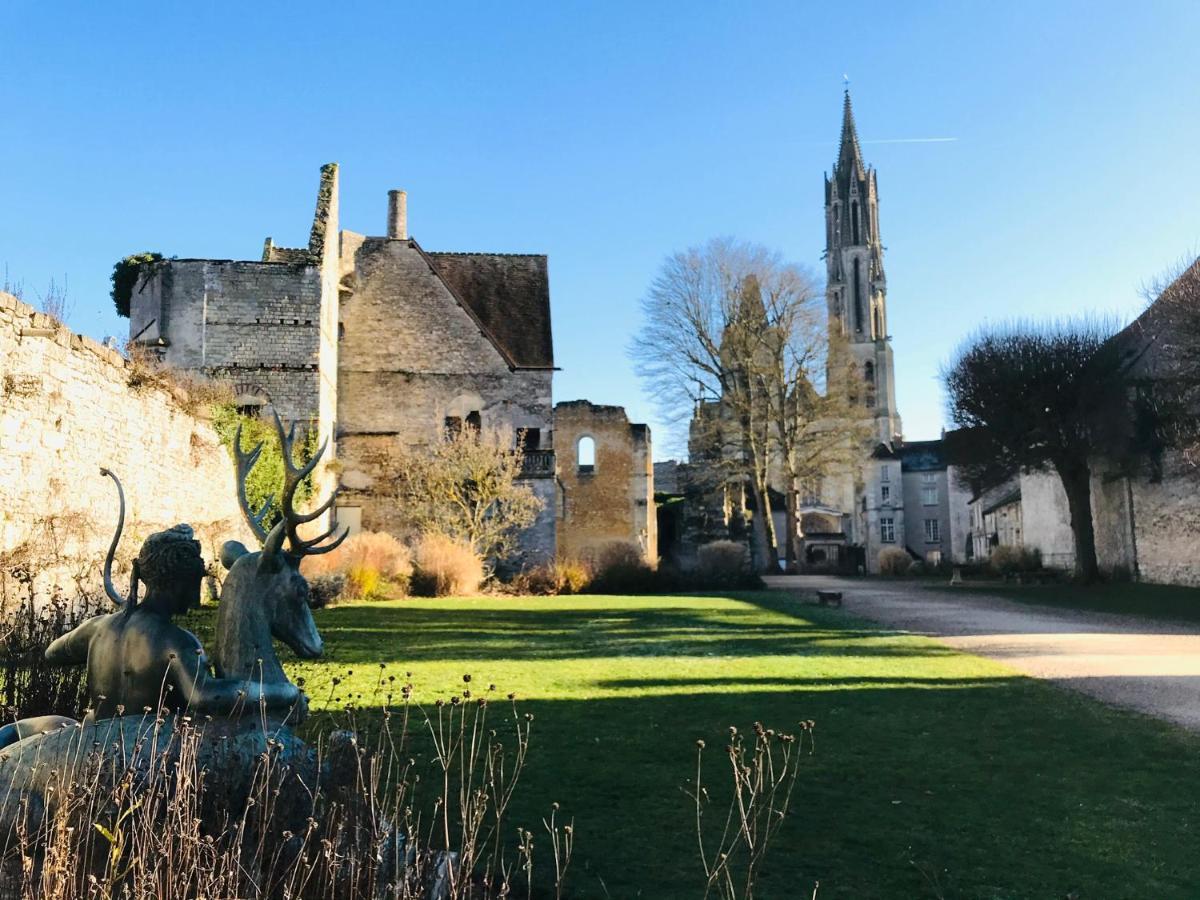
(509,294)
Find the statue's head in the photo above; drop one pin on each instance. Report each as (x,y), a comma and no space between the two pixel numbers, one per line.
(171,567)
(271,579)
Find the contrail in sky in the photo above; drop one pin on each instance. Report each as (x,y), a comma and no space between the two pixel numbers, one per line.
(929,140)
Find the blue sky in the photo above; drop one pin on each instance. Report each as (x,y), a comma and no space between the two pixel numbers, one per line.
(608,135)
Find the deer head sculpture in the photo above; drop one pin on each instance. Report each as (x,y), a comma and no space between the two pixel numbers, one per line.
(264,595)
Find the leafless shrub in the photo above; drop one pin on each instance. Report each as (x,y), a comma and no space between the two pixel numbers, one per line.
(763,775)
(723,563)
(894,561)
(377,824)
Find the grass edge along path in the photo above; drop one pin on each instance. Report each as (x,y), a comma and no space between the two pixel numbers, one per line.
(934,774)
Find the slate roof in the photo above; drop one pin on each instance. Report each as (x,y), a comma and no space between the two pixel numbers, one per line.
(509,295)
(922,456)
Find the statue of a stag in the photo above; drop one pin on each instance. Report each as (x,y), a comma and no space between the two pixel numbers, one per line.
(264,595)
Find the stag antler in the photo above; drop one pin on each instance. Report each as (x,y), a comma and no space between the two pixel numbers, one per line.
(292,476)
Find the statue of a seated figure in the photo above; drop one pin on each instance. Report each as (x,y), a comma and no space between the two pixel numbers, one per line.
(138,658)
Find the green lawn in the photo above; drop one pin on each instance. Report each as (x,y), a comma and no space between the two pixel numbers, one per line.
(1157,601)
(935,774)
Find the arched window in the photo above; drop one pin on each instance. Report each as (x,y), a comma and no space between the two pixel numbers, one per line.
(869,380)
(585,456)
(854,219)
(858,307)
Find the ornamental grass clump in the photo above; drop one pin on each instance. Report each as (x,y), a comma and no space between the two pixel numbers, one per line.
(446,567)
(367,561)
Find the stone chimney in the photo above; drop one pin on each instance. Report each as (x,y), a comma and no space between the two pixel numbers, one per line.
(397,226)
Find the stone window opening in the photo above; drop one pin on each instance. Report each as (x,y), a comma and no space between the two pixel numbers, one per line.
(869,380)
(854,219)
(249,400)
(858,307)
(456,425)
(529,439)
(585,455)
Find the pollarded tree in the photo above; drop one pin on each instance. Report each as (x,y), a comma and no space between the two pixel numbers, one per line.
(1038,397)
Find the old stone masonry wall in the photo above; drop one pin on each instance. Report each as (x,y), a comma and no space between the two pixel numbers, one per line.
(69,406)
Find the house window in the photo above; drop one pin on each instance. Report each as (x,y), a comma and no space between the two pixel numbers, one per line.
(585,456)
(933,531)
(929,489)
(530,439)
(456,424)
(883,475)
(887,530)
(885,494)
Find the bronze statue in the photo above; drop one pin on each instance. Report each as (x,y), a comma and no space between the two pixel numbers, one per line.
(264,595)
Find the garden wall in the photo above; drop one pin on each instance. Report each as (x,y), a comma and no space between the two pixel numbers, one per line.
(69,406)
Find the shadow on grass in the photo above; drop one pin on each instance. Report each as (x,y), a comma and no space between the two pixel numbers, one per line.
(1007,790)
(431,633)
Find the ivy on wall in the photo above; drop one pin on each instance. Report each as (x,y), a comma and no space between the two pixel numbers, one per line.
(266,478)
(125,275)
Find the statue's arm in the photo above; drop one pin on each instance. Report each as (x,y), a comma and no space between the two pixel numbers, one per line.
(72,647)
(205,693)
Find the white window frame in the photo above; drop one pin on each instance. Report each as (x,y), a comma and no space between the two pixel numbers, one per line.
(885,494)
(887,530)
(933,531)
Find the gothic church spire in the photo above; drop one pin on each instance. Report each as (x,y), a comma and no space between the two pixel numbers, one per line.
(849,153)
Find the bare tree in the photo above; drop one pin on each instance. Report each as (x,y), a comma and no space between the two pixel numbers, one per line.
(465,485)
(735,340)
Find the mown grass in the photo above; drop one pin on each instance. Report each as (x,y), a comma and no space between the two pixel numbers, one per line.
(935,774)
(1156,601)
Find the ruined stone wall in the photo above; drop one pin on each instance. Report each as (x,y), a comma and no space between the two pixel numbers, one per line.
(1150,527)
(69,406)
(614,500)
(252,324)
(410,357)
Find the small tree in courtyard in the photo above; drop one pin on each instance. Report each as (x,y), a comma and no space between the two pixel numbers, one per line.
(1033,397)
(465,486)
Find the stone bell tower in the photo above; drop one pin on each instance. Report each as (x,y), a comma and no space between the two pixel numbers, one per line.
(856,288)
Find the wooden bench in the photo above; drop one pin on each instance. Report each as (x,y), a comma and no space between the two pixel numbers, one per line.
(829,598)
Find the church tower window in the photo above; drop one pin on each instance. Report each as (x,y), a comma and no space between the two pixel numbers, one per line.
(858,307)
(854,219)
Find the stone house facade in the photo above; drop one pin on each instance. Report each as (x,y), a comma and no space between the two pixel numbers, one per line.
(374,341)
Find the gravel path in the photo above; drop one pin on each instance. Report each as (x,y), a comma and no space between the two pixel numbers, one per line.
(1148,665)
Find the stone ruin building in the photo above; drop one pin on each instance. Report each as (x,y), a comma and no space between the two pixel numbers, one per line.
(378,342)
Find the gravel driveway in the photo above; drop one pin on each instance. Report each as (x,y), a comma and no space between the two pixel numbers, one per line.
(1148,665)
